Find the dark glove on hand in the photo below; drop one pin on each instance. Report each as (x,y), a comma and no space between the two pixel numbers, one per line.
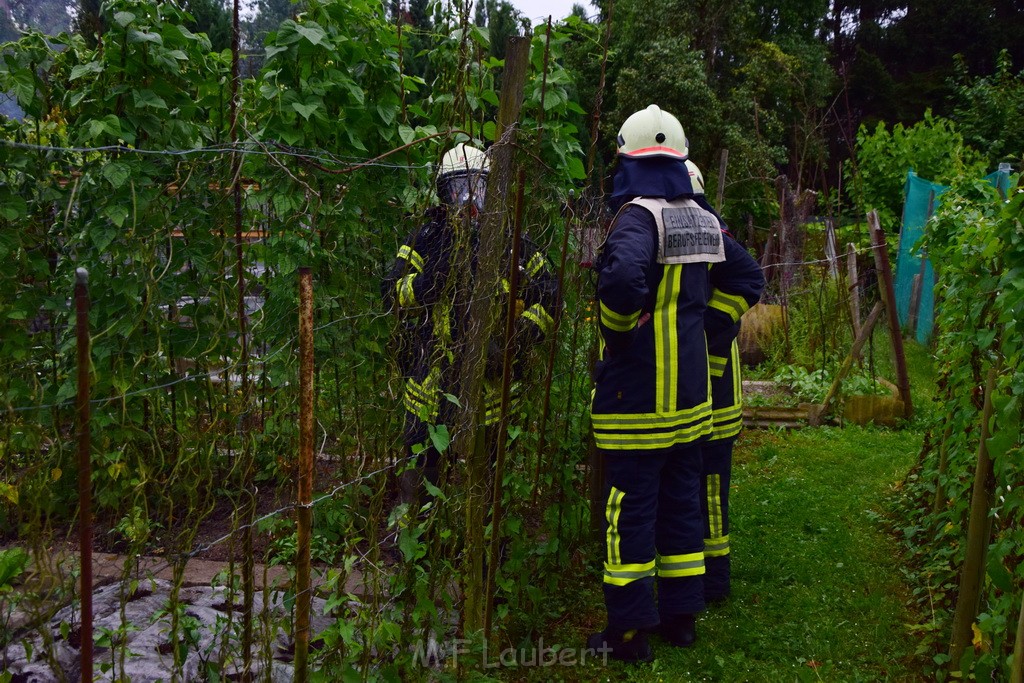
(495,360)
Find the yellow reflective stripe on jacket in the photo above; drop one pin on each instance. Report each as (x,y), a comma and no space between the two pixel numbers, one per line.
(410,255)
(535,264)
(717,365)
(674,566)
(624,574)
(666,420)
(652,440)
(716,547)
(406,294)
(617,322)
(666,340)
(632,431)
(612,510)
(732,305)
(714,483)
(539,317)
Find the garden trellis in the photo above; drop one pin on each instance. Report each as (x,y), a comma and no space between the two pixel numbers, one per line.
(192,230)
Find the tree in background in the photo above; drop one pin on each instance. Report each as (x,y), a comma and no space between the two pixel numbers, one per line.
(89,22)
(502,20)
(49,16)
(269,15)
(213,18)
(989,109)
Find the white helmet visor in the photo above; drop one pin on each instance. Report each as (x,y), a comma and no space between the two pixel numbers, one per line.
(463,190)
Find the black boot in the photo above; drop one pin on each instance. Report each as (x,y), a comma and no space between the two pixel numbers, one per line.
(679,629)
(626,646)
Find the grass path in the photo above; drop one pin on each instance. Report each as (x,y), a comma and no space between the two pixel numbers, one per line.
(817,590)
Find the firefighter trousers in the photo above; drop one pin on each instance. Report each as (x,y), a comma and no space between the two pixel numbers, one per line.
(653,530)
(717,457)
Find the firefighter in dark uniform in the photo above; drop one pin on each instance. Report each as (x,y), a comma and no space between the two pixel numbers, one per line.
(721,327)
(662,258)
(421,286)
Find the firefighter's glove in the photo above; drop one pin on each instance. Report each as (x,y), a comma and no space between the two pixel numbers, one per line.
(495,360)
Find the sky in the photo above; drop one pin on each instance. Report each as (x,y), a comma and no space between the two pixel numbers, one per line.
(539,10)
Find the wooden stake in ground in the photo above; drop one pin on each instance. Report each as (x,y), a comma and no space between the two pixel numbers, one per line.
(1017,668)
(304,511)
(818,411)
(881,250)
(723,163)
(84,468)
(481,325)
(979,530)
(854,287)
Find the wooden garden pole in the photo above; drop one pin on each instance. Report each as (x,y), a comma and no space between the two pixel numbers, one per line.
(979,528)
(304,511)
(854,287)
(1017,667)
(881,251)
(84,467)
(481,324)
(723,162)
(506,382)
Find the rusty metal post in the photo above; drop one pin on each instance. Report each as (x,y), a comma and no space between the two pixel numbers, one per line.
(304,511)
(84,467)
(881,249)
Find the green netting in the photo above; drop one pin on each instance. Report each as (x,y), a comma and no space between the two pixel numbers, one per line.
(920,201)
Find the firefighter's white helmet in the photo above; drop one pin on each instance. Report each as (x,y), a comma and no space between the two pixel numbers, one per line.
(462,177)
(652,132)
(696,178)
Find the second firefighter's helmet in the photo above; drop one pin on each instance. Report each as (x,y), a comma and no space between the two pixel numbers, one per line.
(462,177)
(652,132)
(696,178)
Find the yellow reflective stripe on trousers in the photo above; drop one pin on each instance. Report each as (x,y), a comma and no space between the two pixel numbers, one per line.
(716,547)
(410,255)
(675,566)
(615,321)
(726,430)
(732,305)
(406,294)
(624,574)
(716,365)
(539,317)
(611,513)
(666,342)
(714,504)
(737,385)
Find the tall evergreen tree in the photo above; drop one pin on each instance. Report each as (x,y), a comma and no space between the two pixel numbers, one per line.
(213,18)
(89,21)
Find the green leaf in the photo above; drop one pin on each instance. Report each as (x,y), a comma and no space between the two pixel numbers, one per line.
(575,169)
(124,18)
(117,214)
(274,50)
(314,34)
(135,36)
(406,133)
(306,110)
(490,129)
(86,69)
(13,208)
(101,236)
(148,98)
(116,173)
(12,563)
(439,437)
